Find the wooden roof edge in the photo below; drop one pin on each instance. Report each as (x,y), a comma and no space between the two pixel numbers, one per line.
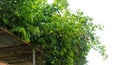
(22,41)
(11,34)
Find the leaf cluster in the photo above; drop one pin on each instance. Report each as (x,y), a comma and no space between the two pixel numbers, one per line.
(65,37)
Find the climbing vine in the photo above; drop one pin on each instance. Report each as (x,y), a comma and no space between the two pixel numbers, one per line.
(65,37)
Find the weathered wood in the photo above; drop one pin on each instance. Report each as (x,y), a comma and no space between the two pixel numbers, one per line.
(16,51)
(22,63)
(9,39)
(27,63)
(20,58)
(6,40)
(13,51)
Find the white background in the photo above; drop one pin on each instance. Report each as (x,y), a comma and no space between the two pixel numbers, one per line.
(106,12)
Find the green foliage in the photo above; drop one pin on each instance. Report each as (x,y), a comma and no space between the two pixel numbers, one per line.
(65,37)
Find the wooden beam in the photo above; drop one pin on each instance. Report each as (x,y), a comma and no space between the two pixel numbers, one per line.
(16,50)
(20,57)
(10,34)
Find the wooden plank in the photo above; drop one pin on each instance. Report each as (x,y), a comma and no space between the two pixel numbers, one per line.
(6,40)
(16,50)
(22,63)
(9,39)
(20,58)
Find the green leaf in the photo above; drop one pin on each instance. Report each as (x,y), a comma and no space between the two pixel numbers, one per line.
(64,37)
(6,21)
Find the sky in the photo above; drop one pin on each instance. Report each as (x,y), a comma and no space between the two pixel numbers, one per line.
(106,12)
